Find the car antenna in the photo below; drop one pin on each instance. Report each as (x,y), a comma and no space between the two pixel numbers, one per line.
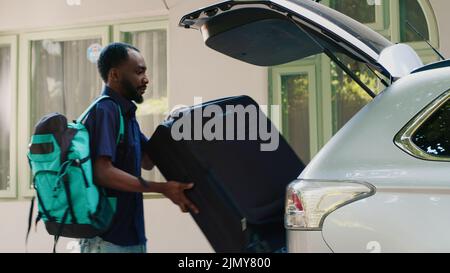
(336,60)
(425,39)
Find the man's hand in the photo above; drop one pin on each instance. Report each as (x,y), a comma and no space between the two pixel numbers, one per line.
(175,192)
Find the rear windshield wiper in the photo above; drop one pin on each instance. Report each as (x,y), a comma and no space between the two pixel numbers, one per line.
(335,59)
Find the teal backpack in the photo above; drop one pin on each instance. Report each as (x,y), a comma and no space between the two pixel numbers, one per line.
(69,203)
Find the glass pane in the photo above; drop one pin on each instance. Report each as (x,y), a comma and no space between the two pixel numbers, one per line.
(410,11)
(359,10)
(295,96)
(5,114)
(368,36)
(347,96)
(64,77)
(152,45)
(434,135)
(154,109)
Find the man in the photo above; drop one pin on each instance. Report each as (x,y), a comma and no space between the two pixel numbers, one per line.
(117,168)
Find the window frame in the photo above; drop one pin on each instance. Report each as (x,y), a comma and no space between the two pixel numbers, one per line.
(403,139)
(276,99)
(24,96)
(380,14)
(158,23)
(421,47)
(12,42)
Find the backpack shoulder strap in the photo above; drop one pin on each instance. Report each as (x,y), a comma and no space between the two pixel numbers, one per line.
(121,118)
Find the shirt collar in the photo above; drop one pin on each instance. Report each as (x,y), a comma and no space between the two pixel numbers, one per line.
(127,106)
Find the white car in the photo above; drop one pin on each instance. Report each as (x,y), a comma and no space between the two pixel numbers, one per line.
(382,183)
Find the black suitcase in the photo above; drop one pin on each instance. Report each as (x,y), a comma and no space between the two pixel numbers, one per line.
(239,189)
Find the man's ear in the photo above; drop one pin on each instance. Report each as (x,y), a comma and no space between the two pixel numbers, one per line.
(114,75)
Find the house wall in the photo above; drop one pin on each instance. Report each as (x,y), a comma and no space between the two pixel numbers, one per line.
(440,8)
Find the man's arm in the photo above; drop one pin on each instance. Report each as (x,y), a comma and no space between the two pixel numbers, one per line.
(108,176)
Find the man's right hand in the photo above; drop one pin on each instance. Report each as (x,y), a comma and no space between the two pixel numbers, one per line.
(175,192)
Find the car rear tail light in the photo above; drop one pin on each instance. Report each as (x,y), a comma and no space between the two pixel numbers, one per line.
(309,202)
(297,202)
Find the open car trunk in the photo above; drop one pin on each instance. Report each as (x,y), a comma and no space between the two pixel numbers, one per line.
(268,33)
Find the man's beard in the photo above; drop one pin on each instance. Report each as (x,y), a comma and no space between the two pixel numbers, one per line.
(132,92)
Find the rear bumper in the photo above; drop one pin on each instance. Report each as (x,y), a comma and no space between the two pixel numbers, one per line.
(299,241)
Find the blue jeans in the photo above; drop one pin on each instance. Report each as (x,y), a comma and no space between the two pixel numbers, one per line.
(98,245)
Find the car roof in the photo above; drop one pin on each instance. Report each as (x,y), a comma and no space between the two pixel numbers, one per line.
(436,65)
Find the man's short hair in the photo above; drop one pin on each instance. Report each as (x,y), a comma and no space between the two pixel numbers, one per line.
(112,56)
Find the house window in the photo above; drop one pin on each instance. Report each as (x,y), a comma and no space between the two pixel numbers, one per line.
(368,12)
(412,13)
(58,74)
(359,10)
(63,78)
(297,99)
(5,115)
(347,97)
(8,57)
(295,92)
(151,40)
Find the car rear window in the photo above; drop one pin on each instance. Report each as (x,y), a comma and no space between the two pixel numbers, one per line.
(433,137)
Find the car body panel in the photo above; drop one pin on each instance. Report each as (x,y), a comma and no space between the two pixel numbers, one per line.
(306,241)
(371,132)
(403,219)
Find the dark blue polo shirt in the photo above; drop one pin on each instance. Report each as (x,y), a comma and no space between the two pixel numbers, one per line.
(103,124)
